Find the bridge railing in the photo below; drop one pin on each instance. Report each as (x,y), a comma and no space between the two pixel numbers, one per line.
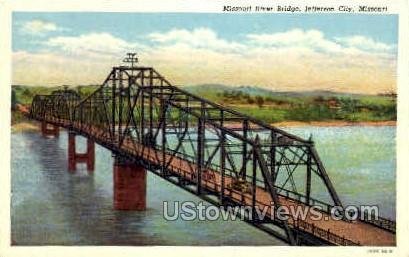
(286,193)
(324,234)
(240,198)
(375,220)
(381,222)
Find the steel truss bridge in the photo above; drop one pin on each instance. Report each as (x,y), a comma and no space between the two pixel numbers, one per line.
(218,154)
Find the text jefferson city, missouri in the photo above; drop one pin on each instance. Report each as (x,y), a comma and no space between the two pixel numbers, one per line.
(306,9)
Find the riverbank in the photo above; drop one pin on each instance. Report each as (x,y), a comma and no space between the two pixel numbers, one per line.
(25,126)
(334,123)
(28,126)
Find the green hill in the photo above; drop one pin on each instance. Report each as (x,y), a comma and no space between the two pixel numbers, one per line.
(268,105)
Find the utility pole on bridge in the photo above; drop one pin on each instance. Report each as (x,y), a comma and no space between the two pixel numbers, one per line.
(131,58)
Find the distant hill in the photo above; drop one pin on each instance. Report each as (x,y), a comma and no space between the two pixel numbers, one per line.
(254,91)
(267,105)
(206,89)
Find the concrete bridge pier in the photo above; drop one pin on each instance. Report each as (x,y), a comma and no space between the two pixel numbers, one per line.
(129,185)
(73,157)
(49,129)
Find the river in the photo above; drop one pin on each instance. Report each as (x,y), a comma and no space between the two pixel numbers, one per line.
(51,206)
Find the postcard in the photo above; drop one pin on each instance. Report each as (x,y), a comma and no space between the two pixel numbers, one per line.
(237,127)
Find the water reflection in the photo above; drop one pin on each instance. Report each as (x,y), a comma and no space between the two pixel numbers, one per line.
(51,206)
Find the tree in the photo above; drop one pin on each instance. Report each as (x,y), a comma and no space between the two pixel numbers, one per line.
(80,91)
(259,101)
(226,94)
(13,99)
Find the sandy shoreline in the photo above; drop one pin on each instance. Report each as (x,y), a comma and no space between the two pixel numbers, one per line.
(25,127)
(33,126)
(335,123)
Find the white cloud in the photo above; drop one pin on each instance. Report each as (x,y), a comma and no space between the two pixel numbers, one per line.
(45,68)
(365,43)
(296,38)
(315,40)
(292,60)
(94,44)
(203,38)
(38,27)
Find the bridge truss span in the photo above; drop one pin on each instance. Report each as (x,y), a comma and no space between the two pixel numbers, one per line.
(224,156)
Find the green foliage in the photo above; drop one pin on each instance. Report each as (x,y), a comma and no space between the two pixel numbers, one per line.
(14,101)
(85,91)
(311,113)
(17,117)
(259,101)
(270,107)
(264,113)
(25,94)
(317,108)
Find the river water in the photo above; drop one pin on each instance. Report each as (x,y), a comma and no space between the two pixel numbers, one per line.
(51,206)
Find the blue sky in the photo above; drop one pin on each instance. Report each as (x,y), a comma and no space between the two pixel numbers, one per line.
(130,26)
(366,40)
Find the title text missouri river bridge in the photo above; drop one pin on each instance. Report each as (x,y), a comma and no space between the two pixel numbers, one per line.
(218,154)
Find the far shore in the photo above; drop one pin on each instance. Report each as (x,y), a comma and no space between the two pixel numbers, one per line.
(27,126)
(334,123)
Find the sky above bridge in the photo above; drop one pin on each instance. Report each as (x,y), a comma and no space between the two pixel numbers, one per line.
(346,53)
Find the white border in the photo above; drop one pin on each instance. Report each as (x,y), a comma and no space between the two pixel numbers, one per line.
(180,5)
(6,7)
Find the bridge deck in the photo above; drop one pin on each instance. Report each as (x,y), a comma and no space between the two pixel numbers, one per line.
(357,232)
